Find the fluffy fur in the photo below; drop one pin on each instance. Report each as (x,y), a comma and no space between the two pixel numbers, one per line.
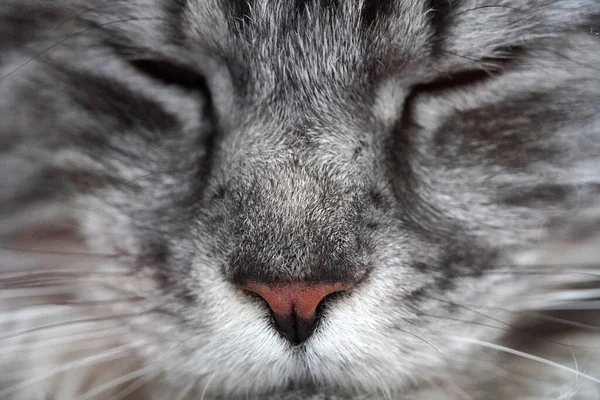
(443,154)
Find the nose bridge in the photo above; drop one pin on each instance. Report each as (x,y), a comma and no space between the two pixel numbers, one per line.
(312,134)
(294,226)
(296,201)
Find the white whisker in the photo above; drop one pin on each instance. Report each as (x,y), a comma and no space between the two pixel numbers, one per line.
(186,390)
(72,323)
(541,316)
(574,295)
(206,386)
(458,390)
(33,314)
(574,359)
(384,392)
(524,355)
(113,383)
(115,353)
(584,305)
(135,386)
(63,339)
(8,294)
(48,355)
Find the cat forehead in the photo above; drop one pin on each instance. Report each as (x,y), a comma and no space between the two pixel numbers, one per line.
(309,45)
(319,25)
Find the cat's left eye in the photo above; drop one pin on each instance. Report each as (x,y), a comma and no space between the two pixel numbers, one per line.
(171,73)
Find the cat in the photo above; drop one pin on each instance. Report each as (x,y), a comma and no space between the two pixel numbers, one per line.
(303,199)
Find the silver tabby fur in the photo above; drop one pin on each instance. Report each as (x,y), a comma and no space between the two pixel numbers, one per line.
(446,153)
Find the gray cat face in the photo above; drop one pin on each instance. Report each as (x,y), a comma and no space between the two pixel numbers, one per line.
(404,150)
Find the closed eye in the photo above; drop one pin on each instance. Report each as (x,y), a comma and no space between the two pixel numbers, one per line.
(459,79)
(170,73)
(465,79)
(478,72)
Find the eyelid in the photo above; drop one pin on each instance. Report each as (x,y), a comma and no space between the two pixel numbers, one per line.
(171,73)
(206,75)
(464,78)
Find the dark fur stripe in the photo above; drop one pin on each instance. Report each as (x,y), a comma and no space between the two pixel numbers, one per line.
(374,11)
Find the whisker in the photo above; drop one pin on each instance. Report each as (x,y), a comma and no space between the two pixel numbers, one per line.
(185,391)
(81,13)
(509,374)
(135,386)
(113,354)
(76,322)
(540,316)
(42,284)
(179,344)
(579,306)
(544,317)
(382,388)
(30,314)
(25,283)
(524,355)
(577,295)
(64,253)
(206,386)
(113,383)
(423,340)
(512,329)
(63,339)
(460,391)
(37,289)
(19,374)
(549,269)
(90,304)
(7,294)
(575,360)
(48,278)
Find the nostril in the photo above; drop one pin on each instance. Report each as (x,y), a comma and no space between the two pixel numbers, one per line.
(294,328)
(294,305)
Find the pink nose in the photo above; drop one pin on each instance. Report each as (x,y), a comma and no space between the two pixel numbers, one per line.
(294,305)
